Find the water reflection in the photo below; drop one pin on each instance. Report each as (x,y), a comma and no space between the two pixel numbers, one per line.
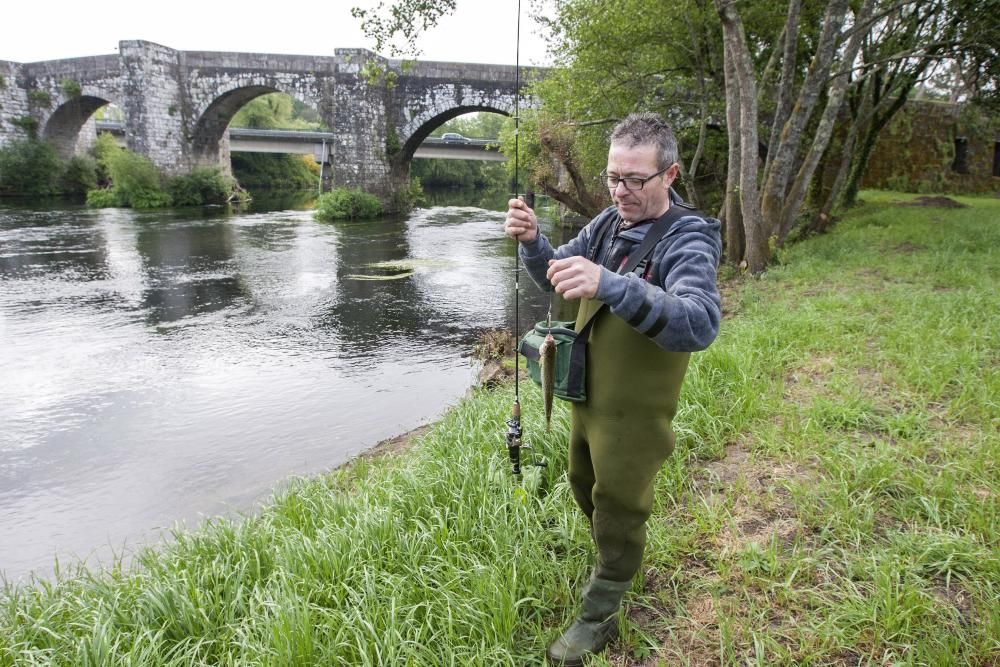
(189,266)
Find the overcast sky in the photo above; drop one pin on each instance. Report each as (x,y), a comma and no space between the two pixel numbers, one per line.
(480,31)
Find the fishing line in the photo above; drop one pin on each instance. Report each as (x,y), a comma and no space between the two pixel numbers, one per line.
(517,256)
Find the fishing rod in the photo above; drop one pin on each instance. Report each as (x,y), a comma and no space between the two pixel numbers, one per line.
(514,434)
(514,442)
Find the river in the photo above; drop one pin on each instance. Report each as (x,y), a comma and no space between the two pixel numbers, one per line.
(165,366)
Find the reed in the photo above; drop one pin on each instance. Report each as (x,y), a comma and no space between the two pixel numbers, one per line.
(833,500)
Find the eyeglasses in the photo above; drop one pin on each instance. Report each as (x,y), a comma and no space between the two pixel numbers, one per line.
(630,182)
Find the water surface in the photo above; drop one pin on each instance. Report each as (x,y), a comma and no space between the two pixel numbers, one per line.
(165,366)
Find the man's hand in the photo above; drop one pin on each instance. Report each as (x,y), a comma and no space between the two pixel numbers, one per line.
(574,277)
(521,222)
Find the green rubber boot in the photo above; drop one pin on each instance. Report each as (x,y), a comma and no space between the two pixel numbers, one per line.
(595,627)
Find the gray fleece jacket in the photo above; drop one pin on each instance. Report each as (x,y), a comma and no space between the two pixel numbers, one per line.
(672,298)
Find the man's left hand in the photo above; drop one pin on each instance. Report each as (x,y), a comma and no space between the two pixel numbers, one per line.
(574,277)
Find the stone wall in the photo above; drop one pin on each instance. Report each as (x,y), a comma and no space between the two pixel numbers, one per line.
(917,151)
(14,107)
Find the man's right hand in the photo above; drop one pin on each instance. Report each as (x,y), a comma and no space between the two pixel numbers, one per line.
(521,222)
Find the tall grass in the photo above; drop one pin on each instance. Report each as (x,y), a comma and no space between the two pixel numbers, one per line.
(833,500)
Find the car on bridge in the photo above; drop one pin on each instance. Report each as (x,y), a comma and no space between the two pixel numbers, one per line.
(453,138)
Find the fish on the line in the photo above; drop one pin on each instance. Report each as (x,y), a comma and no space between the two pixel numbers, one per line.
(547,361)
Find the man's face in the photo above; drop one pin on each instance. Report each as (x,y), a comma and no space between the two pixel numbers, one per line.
(640,161)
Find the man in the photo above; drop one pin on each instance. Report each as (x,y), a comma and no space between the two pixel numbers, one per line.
(637,354)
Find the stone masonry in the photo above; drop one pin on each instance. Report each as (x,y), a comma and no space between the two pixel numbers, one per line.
(178,104)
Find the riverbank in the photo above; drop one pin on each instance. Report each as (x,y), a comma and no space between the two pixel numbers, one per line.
(834,499)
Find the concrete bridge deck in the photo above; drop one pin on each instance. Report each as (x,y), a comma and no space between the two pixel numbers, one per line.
(318,143)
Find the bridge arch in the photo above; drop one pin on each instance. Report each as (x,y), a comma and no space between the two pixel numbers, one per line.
(63,127)
(208,137)
(429,125)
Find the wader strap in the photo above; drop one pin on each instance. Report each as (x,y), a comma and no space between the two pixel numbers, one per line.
(653,236)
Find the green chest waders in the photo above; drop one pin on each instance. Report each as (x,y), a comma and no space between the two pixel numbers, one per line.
(621,435)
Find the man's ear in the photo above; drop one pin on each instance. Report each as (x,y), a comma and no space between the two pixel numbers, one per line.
(671,174)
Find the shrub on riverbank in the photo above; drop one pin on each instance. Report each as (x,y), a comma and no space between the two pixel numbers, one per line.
(135,182)
(79,175)
(29,167)
(834,498)
(344,204)
(203,185)
(132,180)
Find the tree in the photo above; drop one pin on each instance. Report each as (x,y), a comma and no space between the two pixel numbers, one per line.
(403,20)
(609,65)
(786,78)
(277,111)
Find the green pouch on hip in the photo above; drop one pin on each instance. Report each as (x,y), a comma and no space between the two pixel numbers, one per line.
(571,359)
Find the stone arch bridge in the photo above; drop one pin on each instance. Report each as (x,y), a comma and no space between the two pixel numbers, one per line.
(178,104)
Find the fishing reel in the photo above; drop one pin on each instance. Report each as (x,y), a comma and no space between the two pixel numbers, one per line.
(515,445)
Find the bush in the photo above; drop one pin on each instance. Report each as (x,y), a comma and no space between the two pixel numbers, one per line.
(204,185)
(404,200)
(29,167)
(135,180)
(105,149)
(79,175)
(103,198)
(148,198)
(341,204)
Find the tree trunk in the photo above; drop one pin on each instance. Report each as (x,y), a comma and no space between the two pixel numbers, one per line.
(871,136)
(783,161)
(784,105)
(576,195)
(821,221)
(735,237)
(689,184)
(757,253)
(821,138)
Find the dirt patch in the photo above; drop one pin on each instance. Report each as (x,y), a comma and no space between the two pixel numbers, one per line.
(935,201)
(950,594)
(728,291)
(808,381)
(391,446)
(907,248)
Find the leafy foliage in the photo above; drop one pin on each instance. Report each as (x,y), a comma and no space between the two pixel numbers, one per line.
(130,179)
(344,204)
(70,88)
(204,185)
(136,181)
(27,123)
(105,148)
(278,111)
(405,199)
(275,171)
(29,167)
(397,27)
(79,175)
(40,97)
(102,198)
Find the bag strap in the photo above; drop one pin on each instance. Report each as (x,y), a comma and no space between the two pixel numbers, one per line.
(653,236)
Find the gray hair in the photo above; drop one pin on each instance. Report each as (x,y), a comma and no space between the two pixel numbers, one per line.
(647,129)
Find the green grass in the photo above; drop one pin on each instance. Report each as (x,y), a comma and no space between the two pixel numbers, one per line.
(833,501)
